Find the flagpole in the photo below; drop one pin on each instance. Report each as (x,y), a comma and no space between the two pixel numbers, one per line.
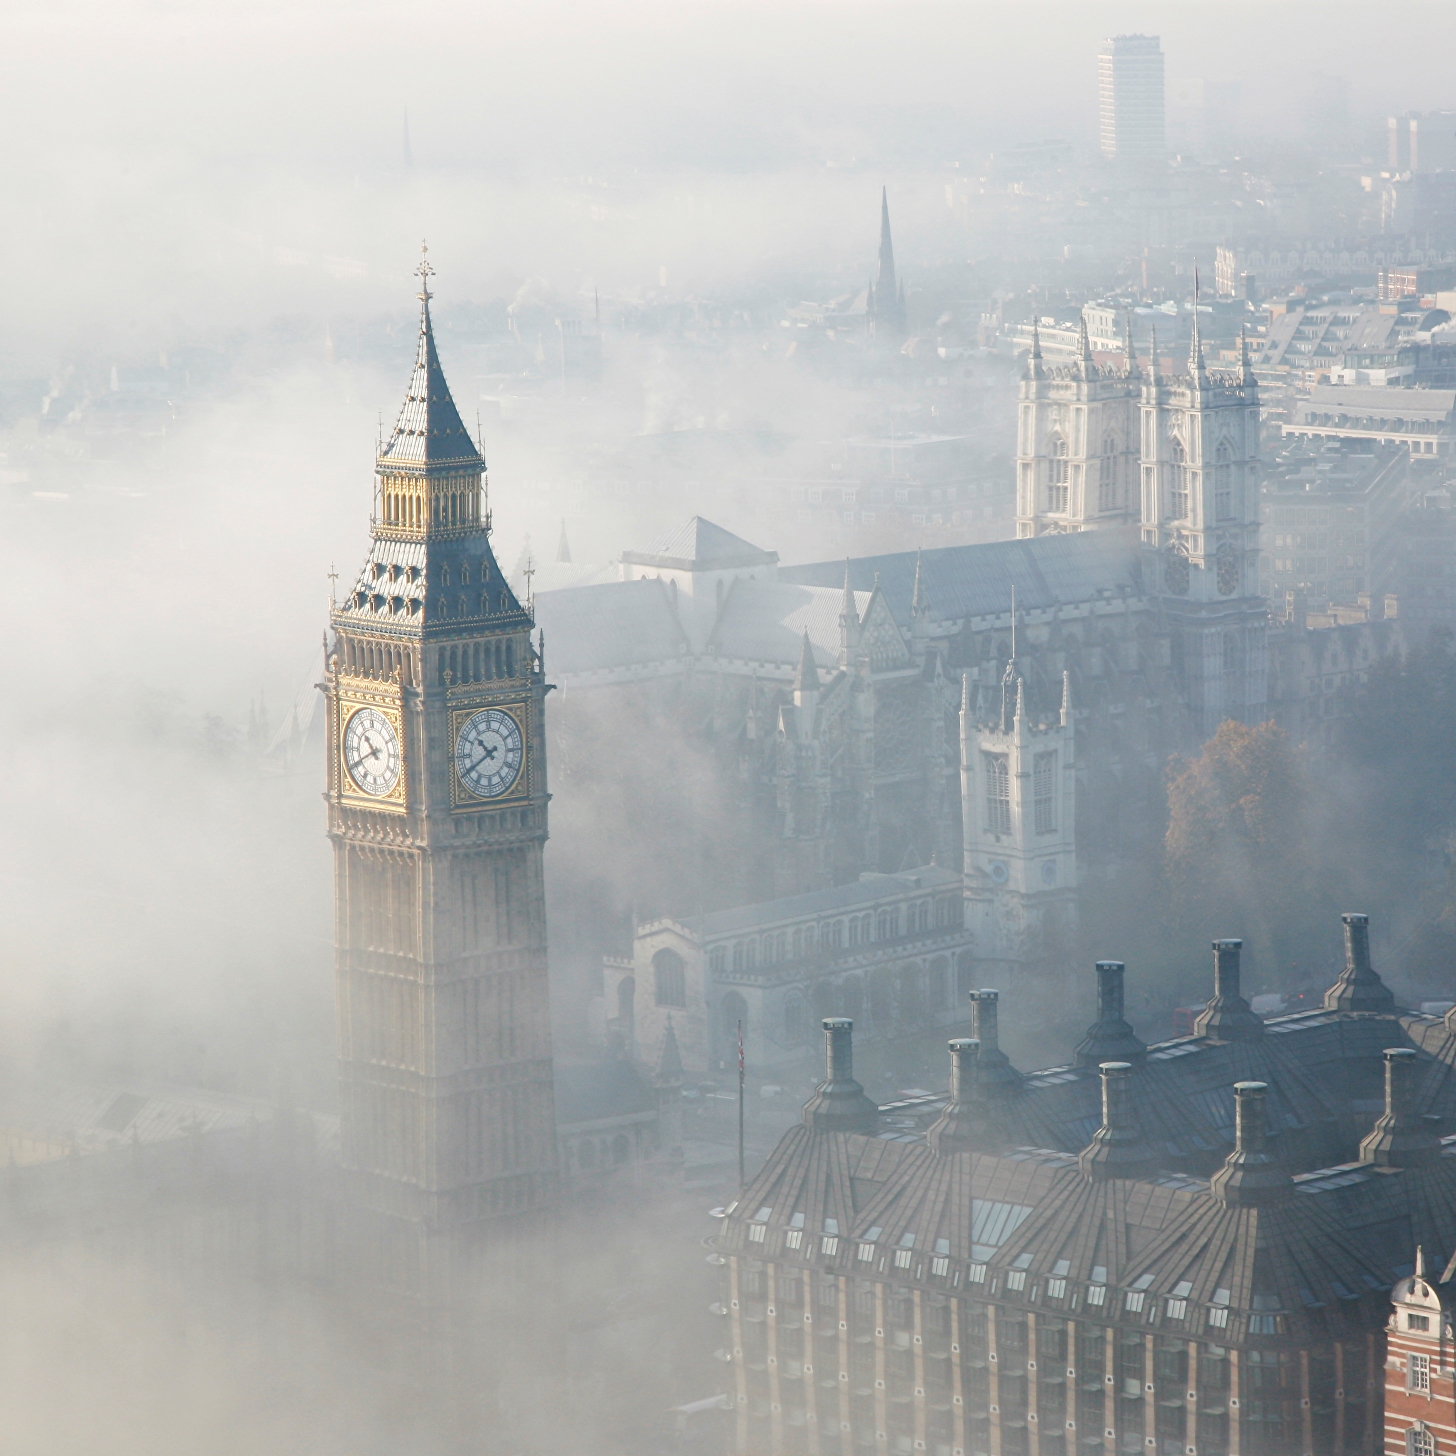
(741,1179)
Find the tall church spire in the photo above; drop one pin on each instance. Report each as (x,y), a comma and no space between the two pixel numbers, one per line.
(1132,363)
(1084,351)
(917,601)
(889,298)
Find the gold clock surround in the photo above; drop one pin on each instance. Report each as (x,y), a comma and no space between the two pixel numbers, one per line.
(464,799)
(353,694)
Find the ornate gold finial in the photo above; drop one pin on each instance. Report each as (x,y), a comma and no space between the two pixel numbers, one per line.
(424,272)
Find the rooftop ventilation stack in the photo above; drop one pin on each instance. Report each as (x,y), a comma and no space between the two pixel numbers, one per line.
(1252,1177)
(839,1103)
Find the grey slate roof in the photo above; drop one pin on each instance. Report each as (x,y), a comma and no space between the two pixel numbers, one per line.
(595,1091)
(765,622)
(859,894)
(975,581)
(1431,406)
(700,545)
(429,430)
(610,626)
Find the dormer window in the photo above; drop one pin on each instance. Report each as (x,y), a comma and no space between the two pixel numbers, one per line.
(1421,1322)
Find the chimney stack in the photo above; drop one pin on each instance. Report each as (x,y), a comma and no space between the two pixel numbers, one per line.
(1227,1017)
(839,1103)
(1251,1177)
(995,1074)
(1359,988)
(1109,1038)
(963,1124)
(1399,1139)
(1117,1149)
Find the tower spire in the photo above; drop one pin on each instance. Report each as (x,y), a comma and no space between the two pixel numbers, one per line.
(1033,360)
(917,601)
(1246,370)
(1132,363)
(889,300)
(1196,366)
(1153,376)
(1084,351)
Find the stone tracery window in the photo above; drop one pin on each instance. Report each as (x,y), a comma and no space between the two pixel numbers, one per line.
(1058,475)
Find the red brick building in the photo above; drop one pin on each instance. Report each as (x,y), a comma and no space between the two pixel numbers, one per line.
(1420,1366)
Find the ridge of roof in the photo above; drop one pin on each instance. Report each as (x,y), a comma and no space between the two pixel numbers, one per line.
(700,545)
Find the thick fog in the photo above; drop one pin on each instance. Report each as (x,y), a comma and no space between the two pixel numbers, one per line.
(214,211)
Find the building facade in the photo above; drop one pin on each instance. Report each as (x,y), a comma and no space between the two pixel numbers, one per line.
(1130,99)
(1115,1255)
(437,813)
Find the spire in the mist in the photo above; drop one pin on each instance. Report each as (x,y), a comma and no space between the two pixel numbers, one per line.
(1033,359)
(1153,376)
(887,299)
(1196,367)
(563,548)
(918,604)
(1084,351)
(1246,370)
(1132,363)
(807,678)
(429,429)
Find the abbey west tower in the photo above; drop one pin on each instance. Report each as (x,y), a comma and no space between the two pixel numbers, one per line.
(437,813)
(1177,459)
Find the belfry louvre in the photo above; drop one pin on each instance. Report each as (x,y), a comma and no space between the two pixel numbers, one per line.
(1182,1248)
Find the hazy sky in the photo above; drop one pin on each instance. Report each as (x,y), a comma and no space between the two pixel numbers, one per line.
(171,164)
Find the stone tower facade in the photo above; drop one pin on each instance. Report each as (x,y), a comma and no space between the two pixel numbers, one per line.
(1200,532)
(1019,830)
(437,813)
(1077,445)
(1178,458)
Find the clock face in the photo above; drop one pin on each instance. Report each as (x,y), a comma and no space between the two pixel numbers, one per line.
(371,752)
(489,753)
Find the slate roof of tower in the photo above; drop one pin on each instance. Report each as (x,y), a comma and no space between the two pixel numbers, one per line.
(699,545)
(765,622)
(429,430)
(972,581)
(610,626)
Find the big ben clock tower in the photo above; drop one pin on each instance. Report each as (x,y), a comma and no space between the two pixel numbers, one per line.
(437,814)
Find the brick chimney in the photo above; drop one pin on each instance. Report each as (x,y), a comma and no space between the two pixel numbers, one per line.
(1251,1177)
(1110,1038)
(1227,1017)
(995,1073)
(839,1103)
(1358,988)
(1117,1149)
(964,1124)
(1399,1138)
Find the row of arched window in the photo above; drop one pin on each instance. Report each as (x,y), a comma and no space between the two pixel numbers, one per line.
(791,944)
(478,661)
(452,502)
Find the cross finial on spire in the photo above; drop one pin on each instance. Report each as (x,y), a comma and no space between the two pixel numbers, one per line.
(424,273)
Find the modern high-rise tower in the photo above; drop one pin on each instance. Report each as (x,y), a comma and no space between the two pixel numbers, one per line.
(437,812)
(1130,95)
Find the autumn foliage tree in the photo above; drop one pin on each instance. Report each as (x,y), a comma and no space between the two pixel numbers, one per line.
(1237,854)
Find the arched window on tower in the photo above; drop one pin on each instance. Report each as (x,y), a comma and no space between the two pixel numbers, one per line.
(1178,481)
(1108,498)
(669,978)
(1058,474)
(1223,482)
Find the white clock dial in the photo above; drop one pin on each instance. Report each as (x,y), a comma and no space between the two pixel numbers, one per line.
(371,752)
(489,753)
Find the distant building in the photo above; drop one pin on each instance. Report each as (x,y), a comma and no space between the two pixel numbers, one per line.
(1130,95)
(1327,516)
(1422,141)
(890,950)
(1423,420)
(1420,1375)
